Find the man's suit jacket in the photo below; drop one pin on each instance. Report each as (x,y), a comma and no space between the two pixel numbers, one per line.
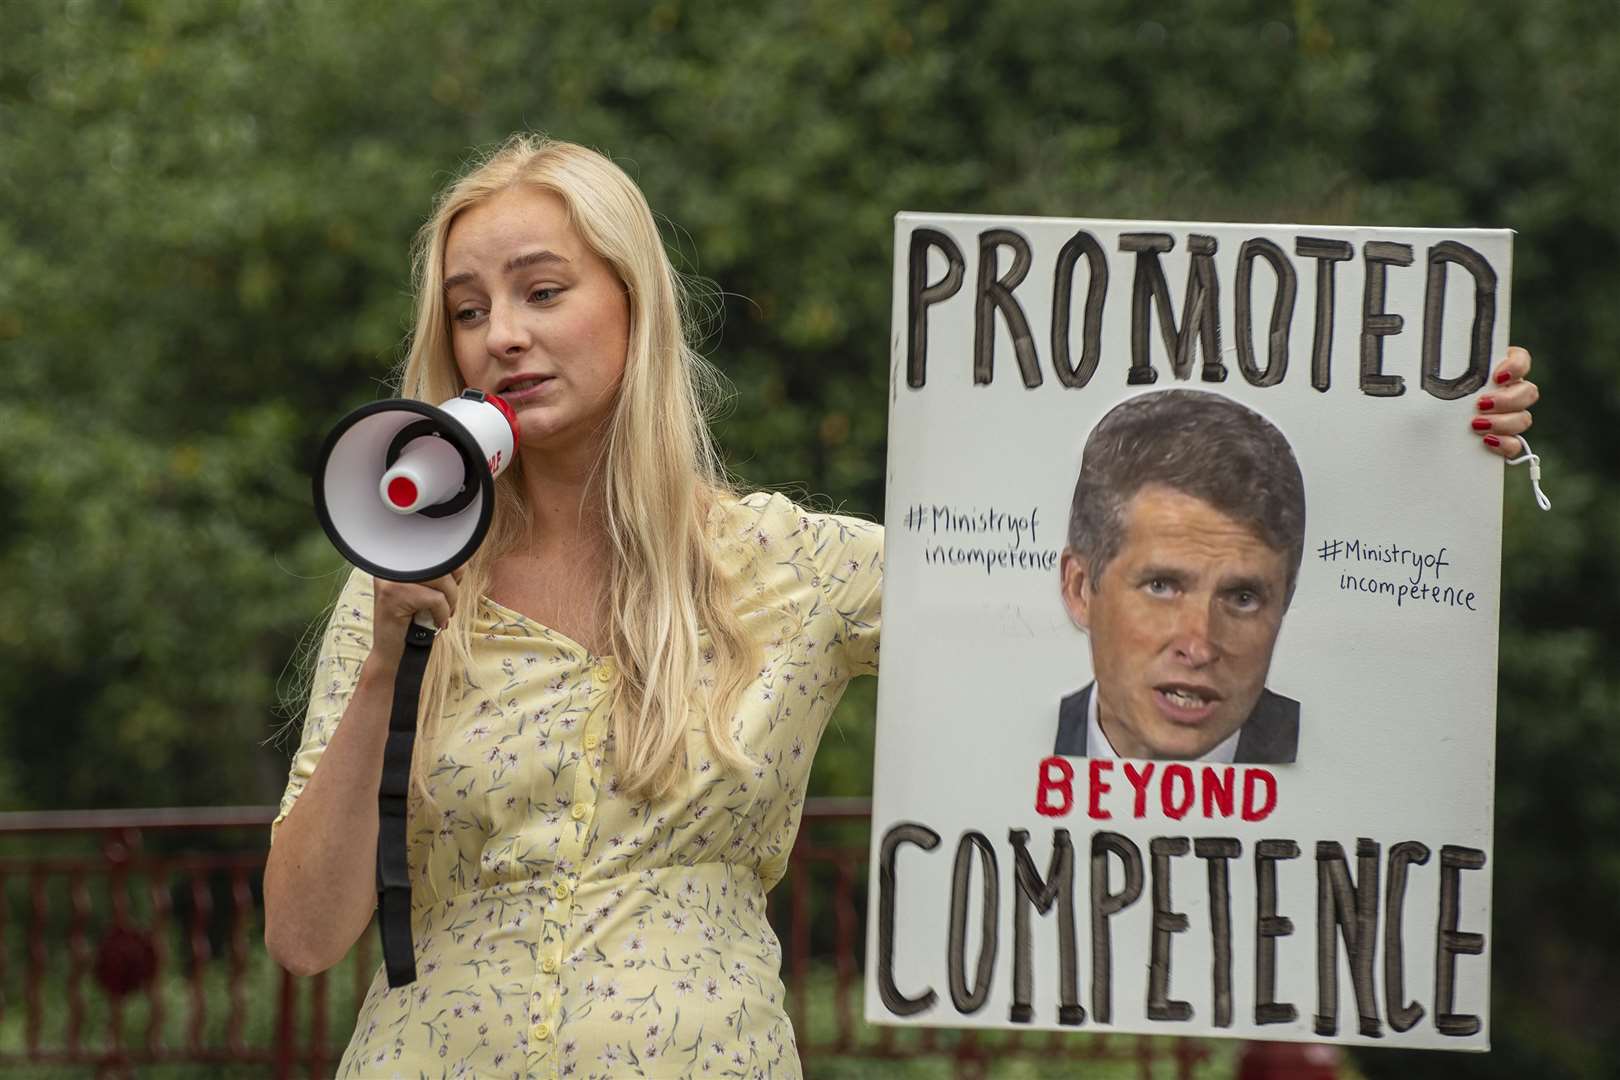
(1270,736)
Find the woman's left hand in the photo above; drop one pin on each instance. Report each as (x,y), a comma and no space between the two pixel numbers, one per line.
(1502,410)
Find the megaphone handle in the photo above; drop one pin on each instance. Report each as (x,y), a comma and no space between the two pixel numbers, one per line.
(425,621)
(393,862)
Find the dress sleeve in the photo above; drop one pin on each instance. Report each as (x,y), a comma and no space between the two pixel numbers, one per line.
(847,554)
(344,648)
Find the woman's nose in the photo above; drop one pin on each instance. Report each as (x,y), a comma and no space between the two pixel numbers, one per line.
(507,334)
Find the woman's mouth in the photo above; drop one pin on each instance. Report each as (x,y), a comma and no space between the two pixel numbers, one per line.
(526,389)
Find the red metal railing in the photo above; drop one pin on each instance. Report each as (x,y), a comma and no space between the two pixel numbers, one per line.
(134,937)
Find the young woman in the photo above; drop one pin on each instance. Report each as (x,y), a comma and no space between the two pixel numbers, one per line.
(633,676)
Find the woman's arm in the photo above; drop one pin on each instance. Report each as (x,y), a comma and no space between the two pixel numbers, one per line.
(320,880)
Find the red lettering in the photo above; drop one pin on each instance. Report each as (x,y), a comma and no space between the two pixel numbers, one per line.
(1062,784)
(495,462)
(1099,788)
(1250,811)
(1218,791)
(1173,809)
(1139,781)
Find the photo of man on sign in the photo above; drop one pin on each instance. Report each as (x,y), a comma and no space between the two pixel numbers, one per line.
(1185,538)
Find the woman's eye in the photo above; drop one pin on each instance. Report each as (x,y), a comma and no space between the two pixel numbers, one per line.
(467,315)
(544,294)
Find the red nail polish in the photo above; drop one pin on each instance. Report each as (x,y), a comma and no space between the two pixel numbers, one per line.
(1492,440)
(1486,404)
(1503,376)
(1481,424)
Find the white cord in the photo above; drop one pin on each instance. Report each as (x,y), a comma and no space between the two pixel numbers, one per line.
(1535,472)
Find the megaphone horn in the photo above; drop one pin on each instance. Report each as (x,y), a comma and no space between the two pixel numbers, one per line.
(405,489)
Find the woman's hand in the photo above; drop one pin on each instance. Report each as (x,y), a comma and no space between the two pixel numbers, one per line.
(395,603)
(1503,407)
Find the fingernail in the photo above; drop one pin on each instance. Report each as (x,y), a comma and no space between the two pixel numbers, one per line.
(1492,440)
(1486,404)
(1503,376)
(1481,424)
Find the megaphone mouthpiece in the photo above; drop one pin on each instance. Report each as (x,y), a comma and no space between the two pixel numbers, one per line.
(428,472)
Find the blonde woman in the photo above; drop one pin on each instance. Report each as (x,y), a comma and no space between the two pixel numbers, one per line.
(633,675)
(619,719)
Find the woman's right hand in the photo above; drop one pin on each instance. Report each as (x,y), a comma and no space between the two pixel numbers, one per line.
(395,604)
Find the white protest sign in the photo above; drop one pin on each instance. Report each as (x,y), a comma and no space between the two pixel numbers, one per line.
(1293,840)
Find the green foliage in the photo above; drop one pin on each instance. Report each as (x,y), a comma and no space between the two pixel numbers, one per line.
(205,219)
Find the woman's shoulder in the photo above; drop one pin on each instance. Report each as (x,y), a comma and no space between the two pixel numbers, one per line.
(772,516)
(768,522)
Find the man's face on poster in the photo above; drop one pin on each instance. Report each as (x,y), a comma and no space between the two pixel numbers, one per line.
(1182,623)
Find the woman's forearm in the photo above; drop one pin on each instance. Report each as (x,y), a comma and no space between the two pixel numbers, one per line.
(320,881)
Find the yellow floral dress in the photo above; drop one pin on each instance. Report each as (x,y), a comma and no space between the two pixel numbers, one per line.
(563,929)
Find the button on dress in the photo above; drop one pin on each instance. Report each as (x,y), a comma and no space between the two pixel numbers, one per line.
(562,927)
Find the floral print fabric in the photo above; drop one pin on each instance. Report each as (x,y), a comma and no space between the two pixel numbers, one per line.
(562,928)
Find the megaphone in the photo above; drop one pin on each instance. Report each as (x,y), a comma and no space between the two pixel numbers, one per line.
(405,490)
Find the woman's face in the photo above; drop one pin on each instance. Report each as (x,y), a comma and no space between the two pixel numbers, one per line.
(536,316)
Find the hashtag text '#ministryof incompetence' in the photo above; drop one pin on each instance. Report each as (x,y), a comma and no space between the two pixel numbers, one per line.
(1005,540)
(1416,565)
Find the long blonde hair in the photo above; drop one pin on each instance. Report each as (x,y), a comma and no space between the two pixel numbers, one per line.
(659,478)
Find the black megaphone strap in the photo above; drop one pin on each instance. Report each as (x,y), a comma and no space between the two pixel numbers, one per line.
(393,861)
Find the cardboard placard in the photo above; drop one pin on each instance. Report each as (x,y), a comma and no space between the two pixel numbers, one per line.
(1293,841)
